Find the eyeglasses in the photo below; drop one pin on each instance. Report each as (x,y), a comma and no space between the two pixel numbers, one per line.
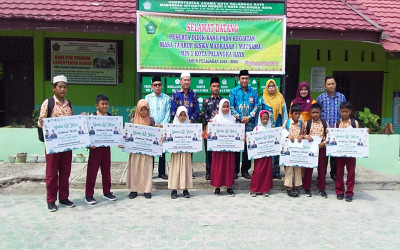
(157,85)
(271,86)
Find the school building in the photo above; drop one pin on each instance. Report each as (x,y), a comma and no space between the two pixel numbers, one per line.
(357,41)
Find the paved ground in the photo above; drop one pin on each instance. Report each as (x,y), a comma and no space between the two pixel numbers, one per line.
(204,221)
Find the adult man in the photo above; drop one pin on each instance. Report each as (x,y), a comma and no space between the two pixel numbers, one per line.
(210,110)
(330,102)
(185,97)
(244,106)
(160,107)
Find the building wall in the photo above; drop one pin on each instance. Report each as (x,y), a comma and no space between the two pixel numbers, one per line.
(83,97)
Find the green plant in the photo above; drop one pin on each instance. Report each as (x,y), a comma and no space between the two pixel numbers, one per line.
(131,113)
(114,112)
(369,120)
(35,117)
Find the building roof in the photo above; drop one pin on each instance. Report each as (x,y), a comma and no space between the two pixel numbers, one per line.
(103,11)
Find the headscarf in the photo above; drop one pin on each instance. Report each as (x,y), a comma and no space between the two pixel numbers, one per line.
(142,120)
(224,118)
(261,126)
(178,111)
(305,102)
(275,100)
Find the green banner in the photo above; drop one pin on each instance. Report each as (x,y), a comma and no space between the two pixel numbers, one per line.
(205,44)
(227,83)
(214,7)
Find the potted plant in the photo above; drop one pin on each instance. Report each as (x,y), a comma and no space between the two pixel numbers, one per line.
(33,158)
(11,158)
(80,158)
(42,158)
(21,157)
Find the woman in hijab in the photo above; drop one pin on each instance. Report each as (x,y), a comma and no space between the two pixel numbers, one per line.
(139,177)
(180,167)
(304,99)
(261,180)
(223,163)
(274,103)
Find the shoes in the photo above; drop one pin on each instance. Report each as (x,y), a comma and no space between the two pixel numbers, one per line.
(252,194)
(67,203)
(333,177)
(110,197)
(207,176)
(51,206)
(246,175)
(236,176)
(349,198)
(230,192)
(174,194)
(163,176)
(277,177)
(308,192)
(193,176)
(266,194)
(186,193)
(217,191)
(323,193)
(340,196)
(296,191)
(292,192)
(147,195)
(90,200)
(132,195)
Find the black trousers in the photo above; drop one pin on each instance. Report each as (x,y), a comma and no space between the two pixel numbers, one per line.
(208,158)
(332,164)
(246,163)
(161,164)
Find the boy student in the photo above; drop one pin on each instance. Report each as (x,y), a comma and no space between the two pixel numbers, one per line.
(316,127)
(330,102)
(346,121)
(58,165)
(210,110)
(99,157)
(294,126)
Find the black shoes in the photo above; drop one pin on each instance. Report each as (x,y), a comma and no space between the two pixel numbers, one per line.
(277,177)
(292,192)
(323,193)
(186,193)
(333,177)
(217,191)
(132,195)
(207,176)
(67,203)
(230,192)
(51,206)
(308,192)
(90,200)
(110,197)
(340,196)
(163,176)
(147,195)
(246,175)
(174,194)
(253,194)
(349,198)
(236,176)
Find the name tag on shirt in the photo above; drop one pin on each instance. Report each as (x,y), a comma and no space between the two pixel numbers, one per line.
(251,100)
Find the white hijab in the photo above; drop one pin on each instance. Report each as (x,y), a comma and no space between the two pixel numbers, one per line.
(224,118)
(261,126)
(178,111)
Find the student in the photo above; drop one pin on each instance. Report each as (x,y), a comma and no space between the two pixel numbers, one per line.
(295,132)
(99,157)
(58,165)
(223,163)
(346,121)
(261,180)
(139,177)
(316,127)
(180,167)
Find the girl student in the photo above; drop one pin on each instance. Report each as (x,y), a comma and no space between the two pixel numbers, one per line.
(223,163)
(261,180)
(180,167)
(139,177)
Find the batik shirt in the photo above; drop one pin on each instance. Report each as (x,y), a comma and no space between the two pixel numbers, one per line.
(244,104)
(211,107)
(160,107)
(331,107)
(189,100)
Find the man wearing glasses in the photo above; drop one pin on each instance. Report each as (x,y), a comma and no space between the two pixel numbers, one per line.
(244,106)
(160,107)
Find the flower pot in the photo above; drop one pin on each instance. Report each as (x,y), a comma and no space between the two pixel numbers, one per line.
(21,157)
(11,158)
(33,158)
(80,158)
(42,159)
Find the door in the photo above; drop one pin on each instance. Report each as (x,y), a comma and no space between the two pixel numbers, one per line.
(292,72)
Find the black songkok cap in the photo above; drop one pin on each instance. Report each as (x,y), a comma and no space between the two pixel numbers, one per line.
(214,79)
(244,72)
(156,79)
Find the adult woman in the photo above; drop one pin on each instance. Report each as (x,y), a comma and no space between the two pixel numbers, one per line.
(274,103)
(304,99)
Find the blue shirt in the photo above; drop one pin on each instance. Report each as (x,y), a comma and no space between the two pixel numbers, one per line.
(189,100)
(160,107)
(281,117)
(244,104)
(331,107)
